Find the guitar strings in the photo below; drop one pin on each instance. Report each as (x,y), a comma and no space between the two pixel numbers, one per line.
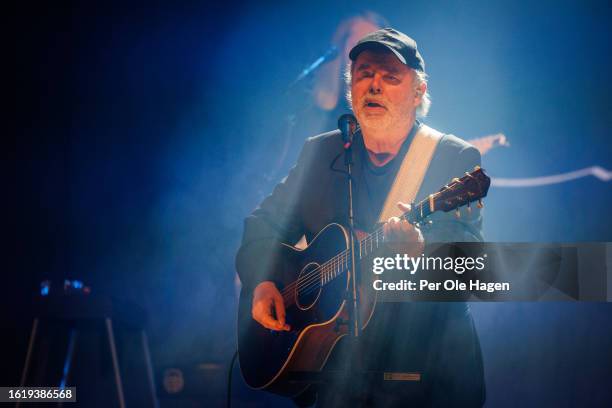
(310,281)
(314,275)
(314,278)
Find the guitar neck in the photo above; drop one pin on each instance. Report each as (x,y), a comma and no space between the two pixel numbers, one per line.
(471,187)
(371,242)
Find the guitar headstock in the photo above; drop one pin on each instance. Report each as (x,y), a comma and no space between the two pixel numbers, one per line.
(461,191)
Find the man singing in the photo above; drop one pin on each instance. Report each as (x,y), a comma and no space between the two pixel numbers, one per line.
(388,91)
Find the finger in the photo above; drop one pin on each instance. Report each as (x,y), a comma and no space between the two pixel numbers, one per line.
(389,226)
(403,206)
(402,230)
(393,220)
(406,227)
(388,229)
(412,234)
(279,307)
(263,315)
(410,231)
(392,227)
(269,322)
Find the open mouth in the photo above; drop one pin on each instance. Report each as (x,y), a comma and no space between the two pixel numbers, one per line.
(373,104)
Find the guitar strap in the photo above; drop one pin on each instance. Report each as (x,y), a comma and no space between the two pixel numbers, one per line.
(411,172)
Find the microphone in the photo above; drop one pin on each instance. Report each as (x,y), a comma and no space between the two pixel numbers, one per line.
(329,55)
(347,125)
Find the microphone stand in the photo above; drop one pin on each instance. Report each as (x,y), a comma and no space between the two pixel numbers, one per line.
(347,125)
(329,55)
(295,110)
(354,329)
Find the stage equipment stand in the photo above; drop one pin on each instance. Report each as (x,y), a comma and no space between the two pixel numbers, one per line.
(74,342)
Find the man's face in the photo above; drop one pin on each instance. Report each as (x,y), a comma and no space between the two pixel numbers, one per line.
(383,91)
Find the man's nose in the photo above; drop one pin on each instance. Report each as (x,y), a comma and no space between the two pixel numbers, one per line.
(375,85)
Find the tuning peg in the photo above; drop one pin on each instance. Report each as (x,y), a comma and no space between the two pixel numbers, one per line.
(456,180)
(457,213)
(479,204)
(469,208)
(476,168)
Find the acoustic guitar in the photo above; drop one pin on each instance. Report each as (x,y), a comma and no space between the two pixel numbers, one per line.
(314,284)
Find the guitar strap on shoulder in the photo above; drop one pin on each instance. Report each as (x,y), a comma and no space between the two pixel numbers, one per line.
(411,172)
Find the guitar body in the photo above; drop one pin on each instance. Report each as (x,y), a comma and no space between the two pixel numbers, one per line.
(317,317)
(314,283)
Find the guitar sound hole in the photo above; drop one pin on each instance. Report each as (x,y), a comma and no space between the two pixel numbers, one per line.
(308,286)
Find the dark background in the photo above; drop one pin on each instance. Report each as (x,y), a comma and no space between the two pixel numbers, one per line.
(145,133)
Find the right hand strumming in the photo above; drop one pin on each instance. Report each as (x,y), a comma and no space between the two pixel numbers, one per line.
(268,307)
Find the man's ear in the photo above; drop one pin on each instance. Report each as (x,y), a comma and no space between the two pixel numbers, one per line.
(419,92)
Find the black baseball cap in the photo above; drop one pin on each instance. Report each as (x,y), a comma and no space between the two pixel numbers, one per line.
(404,47)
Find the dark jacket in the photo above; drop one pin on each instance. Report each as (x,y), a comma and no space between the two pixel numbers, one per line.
(437,339)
